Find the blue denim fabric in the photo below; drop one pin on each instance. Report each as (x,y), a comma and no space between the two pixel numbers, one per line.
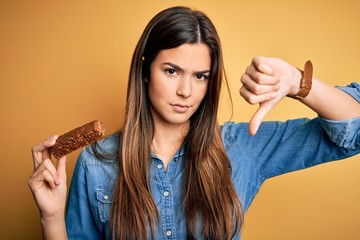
(277,148)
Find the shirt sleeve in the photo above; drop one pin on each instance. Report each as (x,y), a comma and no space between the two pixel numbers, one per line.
(282,147)
(345,133)
(352,89)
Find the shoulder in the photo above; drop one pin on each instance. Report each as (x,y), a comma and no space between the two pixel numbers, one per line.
(230,126)
(234,132)
(110,143)
(104,151)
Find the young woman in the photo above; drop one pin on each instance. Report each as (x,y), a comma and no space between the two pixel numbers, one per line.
(173,172)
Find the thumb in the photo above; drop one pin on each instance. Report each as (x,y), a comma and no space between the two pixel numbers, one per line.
(61,166)
(259,115)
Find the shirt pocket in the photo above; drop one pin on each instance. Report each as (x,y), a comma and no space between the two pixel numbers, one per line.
(104,199)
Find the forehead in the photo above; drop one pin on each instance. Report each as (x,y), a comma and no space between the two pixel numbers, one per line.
(187,56)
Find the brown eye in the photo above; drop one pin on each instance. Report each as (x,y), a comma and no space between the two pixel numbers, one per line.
(201,76)
(170,71)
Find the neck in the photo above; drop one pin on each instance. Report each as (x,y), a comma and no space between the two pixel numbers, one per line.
(167,140)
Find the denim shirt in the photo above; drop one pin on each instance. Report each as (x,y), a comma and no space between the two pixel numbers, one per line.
(277,148)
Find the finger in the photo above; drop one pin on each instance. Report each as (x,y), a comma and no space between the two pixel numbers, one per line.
(259,69)
(264,68)
(39,152)
(254,74)
(46,172)
(49,166)
(261,64)
(258,87)
(255,99)
(48,142)
(49,178)
(40,179)
(258,117)
(61,166)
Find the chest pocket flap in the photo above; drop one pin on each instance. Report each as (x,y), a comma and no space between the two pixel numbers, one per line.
(104,199)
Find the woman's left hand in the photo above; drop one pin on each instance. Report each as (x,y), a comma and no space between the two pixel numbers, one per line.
(266,81)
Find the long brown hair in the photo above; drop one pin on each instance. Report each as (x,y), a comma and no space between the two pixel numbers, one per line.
(208,192)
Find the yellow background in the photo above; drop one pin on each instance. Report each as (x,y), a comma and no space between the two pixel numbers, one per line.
(64,63)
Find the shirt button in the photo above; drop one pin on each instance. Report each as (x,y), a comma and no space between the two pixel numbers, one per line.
(106,197)
(166,193)
(168,233)
(159,166)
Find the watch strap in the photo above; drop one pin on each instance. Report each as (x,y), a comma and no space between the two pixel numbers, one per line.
(305,81)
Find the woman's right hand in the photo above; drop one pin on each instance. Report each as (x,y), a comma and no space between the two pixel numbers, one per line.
(48,181)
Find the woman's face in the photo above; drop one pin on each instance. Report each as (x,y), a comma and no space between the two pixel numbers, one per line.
(178,82)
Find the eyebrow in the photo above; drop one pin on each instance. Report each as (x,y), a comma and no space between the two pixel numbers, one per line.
(179,69)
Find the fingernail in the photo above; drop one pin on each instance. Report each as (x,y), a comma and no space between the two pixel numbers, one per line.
(57,181)
(52,138)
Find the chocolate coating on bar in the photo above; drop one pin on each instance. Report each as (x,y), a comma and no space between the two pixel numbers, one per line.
(77,138)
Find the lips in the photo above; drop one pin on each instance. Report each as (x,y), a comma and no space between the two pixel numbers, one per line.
(180,108)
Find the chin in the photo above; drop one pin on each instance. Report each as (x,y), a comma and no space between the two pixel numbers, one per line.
(178,120)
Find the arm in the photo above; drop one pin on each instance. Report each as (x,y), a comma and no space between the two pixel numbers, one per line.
(331,103)
(282,147)
(48,186)
(268,80)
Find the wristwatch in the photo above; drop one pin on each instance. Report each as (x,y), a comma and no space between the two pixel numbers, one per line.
(305,82)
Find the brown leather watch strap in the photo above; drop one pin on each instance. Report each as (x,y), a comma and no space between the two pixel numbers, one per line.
(305,82)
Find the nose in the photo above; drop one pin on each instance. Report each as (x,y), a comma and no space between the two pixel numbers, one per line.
(185,87)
